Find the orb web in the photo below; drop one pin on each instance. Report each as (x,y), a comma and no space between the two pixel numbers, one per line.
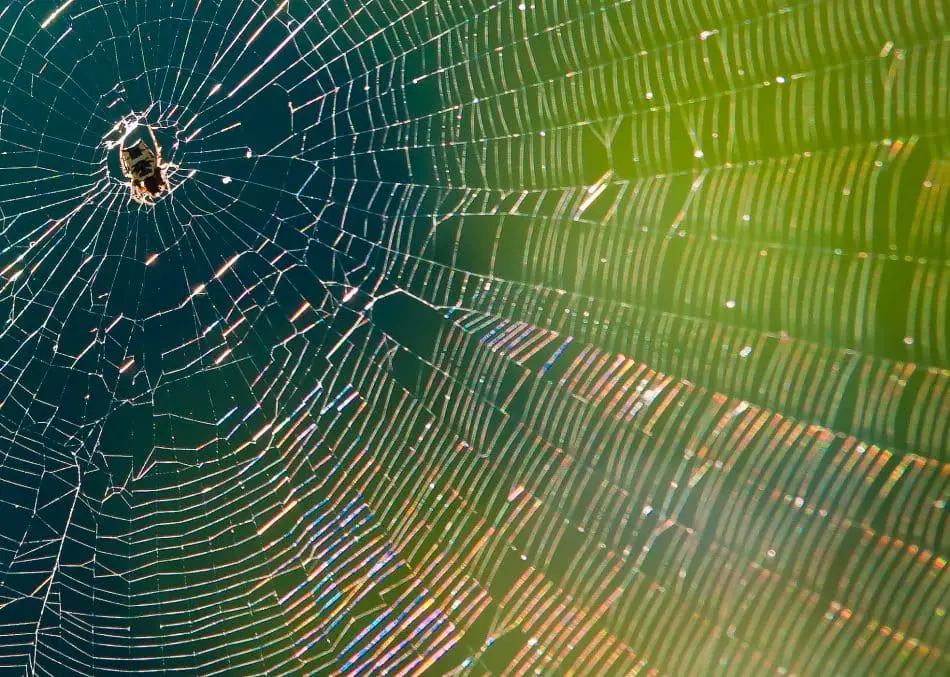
(475,338)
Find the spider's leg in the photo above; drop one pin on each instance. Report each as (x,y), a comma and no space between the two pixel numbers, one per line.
(157,147)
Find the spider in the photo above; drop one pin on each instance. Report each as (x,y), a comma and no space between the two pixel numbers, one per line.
(144,169)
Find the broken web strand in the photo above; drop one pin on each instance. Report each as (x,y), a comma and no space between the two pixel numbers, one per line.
(554,367)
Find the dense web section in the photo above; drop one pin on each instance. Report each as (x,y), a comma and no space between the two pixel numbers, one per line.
(472,337)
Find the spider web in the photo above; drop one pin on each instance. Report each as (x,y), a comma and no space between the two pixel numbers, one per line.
(475,337)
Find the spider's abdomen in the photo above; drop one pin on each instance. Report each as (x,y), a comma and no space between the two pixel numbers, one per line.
(138,161)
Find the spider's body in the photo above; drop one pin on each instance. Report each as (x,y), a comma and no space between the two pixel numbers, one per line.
(144,169)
